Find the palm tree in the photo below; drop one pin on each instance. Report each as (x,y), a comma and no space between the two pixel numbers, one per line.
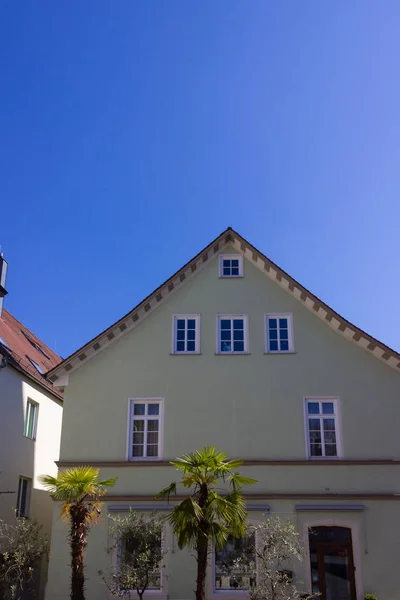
(206,515)
(79,490)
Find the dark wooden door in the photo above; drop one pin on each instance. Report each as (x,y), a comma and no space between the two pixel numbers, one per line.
(332,565)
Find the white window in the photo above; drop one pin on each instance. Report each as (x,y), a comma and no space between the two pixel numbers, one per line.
(235,565)
(31,419)
(146,429)
(279,332)
(186,334)
(23,499)
(231,265)
(232,334)
(322,427)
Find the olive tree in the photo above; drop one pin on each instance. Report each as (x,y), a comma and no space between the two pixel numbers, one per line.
(22,548)
(136,545)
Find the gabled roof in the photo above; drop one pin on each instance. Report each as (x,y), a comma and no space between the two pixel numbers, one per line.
(59,374)
(23,350)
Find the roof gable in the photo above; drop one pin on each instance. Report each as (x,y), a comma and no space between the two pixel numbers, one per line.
(60,373)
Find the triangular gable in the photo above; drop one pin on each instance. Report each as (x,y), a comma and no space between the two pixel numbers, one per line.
(59,375)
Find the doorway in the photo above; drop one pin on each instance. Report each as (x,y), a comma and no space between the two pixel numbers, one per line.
(332,565)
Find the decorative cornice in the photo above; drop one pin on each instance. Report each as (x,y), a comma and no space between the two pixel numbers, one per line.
(285,281)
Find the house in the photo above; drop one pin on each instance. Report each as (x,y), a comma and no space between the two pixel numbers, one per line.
(30,427)
(231,351)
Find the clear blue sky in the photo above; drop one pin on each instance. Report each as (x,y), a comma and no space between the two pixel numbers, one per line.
(133,132)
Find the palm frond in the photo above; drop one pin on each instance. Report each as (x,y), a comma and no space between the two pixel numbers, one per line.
(76,483)
(168,491)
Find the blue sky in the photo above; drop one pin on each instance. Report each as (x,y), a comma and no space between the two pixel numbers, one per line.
(132,133)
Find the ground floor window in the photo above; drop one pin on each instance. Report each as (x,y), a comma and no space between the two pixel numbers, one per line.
(134,571)
(235,564)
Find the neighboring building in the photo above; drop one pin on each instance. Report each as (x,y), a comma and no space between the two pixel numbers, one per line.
(30,424)
(232,352)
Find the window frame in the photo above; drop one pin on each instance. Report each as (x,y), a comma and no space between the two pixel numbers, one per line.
(338,430)
(275,315)
(175,317)
(36,413)
(131,418)
(28,480)
(238,257)
(36,366)
(246,346)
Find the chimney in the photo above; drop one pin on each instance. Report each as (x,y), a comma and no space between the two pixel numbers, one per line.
(3,277)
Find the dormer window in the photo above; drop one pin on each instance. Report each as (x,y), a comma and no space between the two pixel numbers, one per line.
(37,367)
(231,265)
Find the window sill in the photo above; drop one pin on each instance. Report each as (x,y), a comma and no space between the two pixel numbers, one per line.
(232,354)
(185,353)
(279,353)
(33,439)
(321,458)
(231,277)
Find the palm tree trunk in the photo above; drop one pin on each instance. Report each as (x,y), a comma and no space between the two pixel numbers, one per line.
(78,542)
(202,554)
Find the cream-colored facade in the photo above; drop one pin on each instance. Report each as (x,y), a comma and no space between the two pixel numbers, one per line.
(251,406)
(21,456)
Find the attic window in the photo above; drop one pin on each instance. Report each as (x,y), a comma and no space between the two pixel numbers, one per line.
(35,345)
(231,265)
(37,367)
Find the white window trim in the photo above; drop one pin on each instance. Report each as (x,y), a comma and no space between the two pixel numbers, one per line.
(246,334)
(175,317)
(355,538)
(162,593)
(338,426)
(28,497)
(146,400)
(238,257)
(29,401)
(213,594)
(288,316)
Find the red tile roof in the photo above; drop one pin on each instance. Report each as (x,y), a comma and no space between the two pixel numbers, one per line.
(20,345)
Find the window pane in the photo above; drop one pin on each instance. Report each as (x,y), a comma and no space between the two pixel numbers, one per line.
(283,323)
(138,425)
(284,346)
(238,346)
(235,263)
(315,437)
(238,335)
(329,424)
(313,408)
(180,324)
(235,271)
(226,334)
(139,409)
(152,425)
(180,346)
(273,334)
(315,449)
(191,347)
(226,346)
(152,450)
(226,271)
(328,408)
(191,334)
(273,323)
(153,409)
(180,334)
(226,263)
(138,438)
(225,323)
(191,324)
(235,565)
(284,334)
(137,451)
(273,346)
(330,450)
(330,437)
(314,424)
(238,324)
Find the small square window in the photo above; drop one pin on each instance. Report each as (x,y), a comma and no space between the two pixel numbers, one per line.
(279,333)
(231,265)
(186,334)
(322,425)
(232,335)
(30,420)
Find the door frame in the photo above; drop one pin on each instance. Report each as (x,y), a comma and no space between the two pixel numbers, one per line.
(355,536)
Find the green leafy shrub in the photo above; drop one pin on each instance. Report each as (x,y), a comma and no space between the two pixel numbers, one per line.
(370,597)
